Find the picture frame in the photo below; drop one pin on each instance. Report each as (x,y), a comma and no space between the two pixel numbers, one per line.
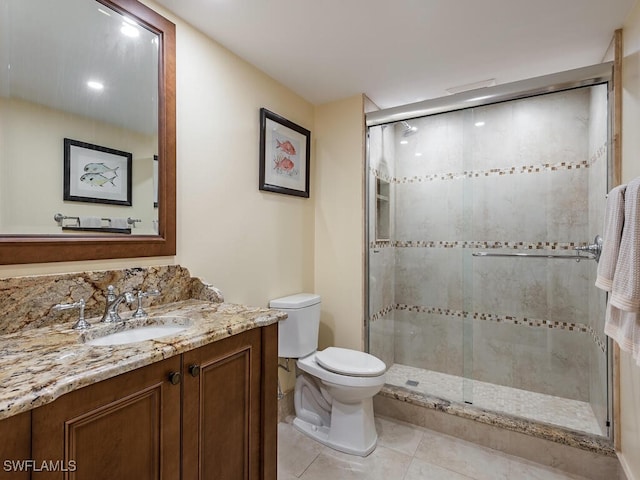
(284,155)
(96,174)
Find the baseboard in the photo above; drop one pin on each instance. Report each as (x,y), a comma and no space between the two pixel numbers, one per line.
(625,470)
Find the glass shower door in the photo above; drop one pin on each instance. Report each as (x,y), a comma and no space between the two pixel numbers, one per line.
(515,335)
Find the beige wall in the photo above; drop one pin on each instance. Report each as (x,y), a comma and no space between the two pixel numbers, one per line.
(253,245)
(629,371)
(339,221)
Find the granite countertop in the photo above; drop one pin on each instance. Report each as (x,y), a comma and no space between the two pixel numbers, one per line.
(38,365)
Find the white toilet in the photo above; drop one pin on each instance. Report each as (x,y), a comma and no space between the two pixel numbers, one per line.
(334,391)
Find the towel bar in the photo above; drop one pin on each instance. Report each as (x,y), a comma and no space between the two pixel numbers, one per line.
(592,252)
(577,257)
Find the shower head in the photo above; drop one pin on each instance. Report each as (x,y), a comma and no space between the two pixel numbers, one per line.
(408,129)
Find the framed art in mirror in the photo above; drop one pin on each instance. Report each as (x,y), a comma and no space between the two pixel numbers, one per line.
(96,174)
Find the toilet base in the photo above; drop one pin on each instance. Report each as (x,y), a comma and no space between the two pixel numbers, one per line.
(352,428)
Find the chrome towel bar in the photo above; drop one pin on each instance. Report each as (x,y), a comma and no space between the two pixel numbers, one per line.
(577,257)
(591,252)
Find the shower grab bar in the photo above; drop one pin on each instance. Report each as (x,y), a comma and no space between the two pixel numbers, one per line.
(577,257)
(592,252)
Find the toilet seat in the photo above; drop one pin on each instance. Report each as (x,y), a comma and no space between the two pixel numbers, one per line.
(350,362)
(310,365)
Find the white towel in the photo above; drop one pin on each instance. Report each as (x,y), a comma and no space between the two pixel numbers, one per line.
(613,223)
(623,327)
(119,223)
(623,312)
(90,222)
(625,292)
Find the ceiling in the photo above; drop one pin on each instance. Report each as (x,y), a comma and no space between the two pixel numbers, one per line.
(50,50)
(403,51)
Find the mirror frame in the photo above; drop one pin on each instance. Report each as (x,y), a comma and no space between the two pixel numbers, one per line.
(21,249)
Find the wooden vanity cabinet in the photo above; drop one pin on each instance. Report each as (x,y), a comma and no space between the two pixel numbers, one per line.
(208,414)
(15,446)
(126,427)
(230,411)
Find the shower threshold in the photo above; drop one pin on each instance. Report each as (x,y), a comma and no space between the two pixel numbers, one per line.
(538,407)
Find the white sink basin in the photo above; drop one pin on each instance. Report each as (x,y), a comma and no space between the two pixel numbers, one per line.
(132,331)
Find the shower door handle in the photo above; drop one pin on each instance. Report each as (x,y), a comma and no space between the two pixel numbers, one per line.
(595,248)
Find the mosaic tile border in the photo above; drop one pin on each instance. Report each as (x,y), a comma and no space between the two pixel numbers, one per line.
(381,313)
(382,176)
(477,244)
(492,317)
(599,341)
(600,152)
(492,172)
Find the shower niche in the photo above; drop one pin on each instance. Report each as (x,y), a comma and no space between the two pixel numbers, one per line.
(383,210)
(518,336)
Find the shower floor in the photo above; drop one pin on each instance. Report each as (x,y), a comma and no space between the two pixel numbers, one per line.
(539,407)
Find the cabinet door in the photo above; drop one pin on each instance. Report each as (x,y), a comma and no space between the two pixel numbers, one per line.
(15,447)
(127,427)
(221,409)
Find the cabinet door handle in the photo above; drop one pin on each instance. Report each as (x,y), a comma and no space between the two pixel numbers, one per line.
(174,378)
(194,370)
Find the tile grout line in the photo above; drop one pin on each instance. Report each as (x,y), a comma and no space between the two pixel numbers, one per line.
(309,466)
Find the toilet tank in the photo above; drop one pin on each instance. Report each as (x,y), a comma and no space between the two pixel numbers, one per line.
(298,334)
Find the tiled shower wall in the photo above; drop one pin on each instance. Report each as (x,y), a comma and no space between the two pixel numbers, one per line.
(527,175)
(381,255)
(598,134)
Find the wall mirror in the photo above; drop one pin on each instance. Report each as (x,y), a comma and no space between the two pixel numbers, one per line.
(87,131)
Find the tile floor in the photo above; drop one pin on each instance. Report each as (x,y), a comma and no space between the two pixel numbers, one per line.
(404,452)
(535,406)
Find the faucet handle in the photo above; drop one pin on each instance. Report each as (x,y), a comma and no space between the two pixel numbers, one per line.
(140,313)
(111,293)
(81,323)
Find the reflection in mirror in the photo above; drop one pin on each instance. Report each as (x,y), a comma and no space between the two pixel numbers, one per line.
(79,70)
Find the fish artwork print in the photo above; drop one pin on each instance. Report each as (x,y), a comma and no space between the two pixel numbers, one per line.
(286,146)
(99,168)
(97,179)
(285,157)
(283,163)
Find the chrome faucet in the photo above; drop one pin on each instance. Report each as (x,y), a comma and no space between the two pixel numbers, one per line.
(113,301)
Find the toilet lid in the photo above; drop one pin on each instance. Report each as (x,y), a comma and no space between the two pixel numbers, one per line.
(350,362)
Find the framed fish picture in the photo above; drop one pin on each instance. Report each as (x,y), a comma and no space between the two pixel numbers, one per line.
(284,155)
(96,174)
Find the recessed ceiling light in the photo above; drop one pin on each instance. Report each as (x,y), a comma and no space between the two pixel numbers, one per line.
(418,154)
(95,85)
(479,124)
(404,142)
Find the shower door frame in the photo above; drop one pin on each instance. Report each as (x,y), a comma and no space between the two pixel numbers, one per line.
(582,77)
